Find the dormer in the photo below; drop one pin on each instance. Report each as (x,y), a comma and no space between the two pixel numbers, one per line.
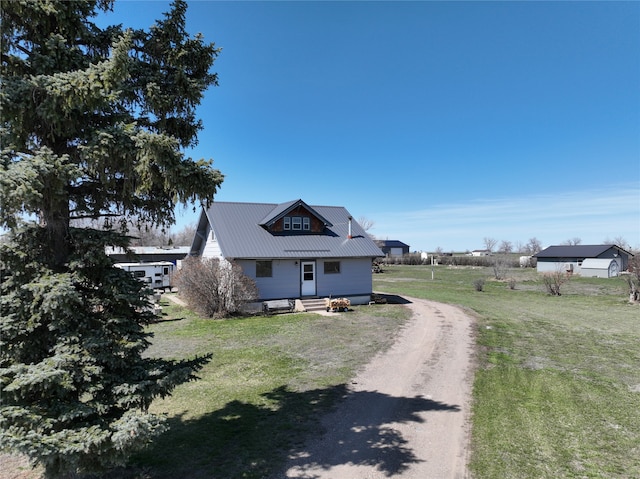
(294,217)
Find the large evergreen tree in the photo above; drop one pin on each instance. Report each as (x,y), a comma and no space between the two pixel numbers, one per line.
(94,123)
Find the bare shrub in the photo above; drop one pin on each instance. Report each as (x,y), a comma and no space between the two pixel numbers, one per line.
(634,288)
(479,284)
(478,261)
(553,281)
(412,258)
(500,265)
(214,288)
(633,278)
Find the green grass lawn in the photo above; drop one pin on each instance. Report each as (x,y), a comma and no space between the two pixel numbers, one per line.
(270,380)
(557,391)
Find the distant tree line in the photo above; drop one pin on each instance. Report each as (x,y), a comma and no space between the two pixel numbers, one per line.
(143,233)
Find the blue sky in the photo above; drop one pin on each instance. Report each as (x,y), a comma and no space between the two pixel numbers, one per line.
(441,122)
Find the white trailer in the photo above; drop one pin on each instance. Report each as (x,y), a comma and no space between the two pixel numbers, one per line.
(156,274)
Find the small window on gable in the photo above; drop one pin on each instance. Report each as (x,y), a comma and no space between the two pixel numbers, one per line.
(296,223)
(264,269)
(331,267)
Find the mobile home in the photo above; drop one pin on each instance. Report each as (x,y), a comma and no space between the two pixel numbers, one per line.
(156,274)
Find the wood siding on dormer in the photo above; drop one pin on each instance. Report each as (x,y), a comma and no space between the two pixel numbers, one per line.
(317,226)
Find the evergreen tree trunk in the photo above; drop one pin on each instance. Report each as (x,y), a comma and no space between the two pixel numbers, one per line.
(55,221)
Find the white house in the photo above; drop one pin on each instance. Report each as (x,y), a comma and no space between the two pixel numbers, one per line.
(291,250)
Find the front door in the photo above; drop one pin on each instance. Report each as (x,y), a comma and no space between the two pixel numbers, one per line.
(308,278)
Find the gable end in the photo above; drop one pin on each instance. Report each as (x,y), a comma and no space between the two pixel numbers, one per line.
(295,217)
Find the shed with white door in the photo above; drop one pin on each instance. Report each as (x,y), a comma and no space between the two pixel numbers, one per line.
(600,268)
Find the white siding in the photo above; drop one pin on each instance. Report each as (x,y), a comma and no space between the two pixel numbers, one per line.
(156,275)
(211,246)
(553,267)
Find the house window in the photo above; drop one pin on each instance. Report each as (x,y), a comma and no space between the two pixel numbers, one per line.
(264,269)
(331,267)
(297,223)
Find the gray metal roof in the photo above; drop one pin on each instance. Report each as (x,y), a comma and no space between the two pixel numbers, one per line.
(392,243)
(237,228)
(575,251)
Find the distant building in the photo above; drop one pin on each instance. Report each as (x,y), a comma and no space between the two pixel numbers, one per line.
(604,260)
(481,252)
(393,248)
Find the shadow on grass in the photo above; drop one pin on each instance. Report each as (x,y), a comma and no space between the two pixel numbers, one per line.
(244,440)
(393,298)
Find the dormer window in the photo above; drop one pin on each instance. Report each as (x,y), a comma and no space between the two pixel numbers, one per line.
(297,223)
(294,217)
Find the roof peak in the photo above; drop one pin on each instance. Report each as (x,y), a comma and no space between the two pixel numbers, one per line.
(284,209)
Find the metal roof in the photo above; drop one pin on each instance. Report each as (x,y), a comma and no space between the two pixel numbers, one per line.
(575,251)
(283,208)
(169,251)
(392,243)
(237,228)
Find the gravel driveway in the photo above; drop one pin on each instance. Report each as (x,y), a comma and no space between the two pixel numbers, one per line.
(407,413)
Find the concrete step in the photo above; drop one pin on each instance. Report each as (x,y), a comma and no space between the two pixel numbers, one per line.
(314,304)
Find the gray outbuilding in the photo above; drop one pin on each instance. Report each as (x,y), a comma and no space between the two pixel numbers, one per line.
(572,258)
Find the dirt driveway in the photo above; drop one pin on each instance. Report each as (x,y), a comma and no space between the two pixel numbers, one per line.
(407,414)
